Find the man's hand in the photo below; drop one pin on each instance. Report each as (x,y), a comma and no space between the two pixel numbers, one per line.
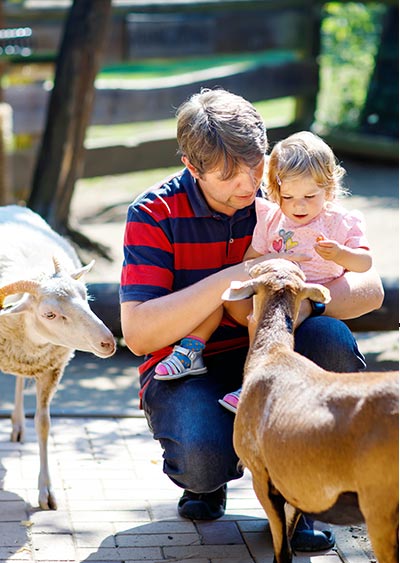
(304,312)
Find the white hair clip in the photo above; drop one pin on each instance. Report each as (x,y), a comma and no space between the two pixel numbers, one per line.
(278,180)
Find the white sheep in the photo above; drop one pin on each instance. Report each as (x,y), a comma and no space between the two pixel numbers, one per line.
(313,440)
(44,318)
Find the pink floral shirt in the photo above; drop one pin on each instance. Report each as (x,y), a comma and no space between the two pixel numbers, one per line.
(274,232)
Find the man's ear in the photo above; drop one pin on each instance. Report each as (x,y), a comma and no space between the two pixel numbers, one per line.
(192,169)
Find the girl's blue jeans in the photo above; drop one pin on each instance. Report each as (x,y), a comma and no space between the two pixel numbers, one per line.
(195,431)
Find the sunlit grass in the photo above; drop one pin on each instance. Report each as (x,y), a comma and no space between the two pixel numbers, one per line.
(274,112)
(157,68)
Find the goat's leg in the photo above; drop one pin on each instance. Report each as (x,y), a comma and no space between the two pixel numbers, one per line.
(292,517)
(18,413)
(45,387)
(382,519)
(274,506)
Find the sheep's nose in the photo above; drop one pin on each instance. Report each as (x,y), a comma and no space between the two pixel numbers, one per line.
(108,345)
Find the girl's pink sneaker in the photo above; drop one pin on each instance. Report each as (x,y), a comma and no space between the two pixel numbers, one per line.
(230,400)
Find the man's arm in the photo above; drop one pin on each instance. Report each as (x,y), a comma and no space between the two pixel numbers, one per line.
(355,294)
(151,325)
(352,295)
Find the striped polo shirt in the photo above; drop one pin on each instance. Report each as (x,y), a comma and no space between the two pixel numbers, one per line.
(172,240)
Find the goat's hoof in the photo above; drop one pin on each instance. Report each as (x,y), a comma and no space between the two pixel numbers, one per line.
(47,501)
(17,434)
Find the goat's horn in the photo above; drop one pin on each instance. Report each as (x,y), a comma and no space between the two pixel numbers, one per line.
(23,286)
(57,265)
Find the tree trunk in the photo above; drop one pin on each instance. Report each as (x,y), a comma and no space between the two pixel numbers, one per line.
(60,157)
(380,115)
(5,190)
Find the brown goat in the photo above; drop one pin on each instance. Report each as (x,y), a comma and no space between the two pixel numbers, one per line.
(310,437)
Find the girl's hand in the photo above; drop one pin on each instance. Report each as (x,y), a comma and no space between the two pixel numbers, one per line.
(328,249)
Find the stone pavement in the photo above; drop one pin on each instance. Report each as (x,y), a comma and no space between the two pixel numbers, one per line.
(115,505)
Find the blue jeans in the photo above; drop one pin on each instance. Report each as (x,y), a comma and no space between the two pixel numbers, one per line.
(195,431)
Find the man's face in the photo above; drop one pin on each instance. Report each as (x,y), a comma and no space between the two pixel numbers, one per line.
(227,196)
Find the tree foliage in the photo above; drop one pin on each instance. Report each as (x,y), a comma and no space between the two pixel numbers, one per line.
(350,34)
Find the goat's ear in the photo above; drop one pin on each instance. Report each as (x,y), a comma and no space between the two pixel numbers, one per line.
(239,290)
(316,292)
(82,271)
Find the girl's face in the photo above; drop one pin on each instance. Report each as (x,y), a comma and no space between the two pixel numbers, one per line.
(301,199)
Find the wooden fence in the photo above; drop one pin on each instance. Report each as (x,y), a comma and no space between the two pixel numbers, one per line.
(286,33)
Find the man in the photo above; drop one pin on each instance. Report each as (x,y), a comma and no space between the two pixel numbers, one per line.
(184,244)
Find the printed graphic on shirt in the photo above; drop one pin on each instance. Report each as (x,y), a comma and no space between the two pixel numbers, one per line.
(284,242)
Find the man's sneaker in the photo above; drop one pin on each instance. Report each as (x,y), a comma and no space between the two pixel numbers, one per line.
(230,400)
(172,367)
(203,506)
(306,538)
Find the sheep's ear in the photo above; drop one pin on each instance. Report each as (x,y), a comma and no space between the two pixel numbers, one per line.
(18,307)
(239,290)
(82,271)
(316,292)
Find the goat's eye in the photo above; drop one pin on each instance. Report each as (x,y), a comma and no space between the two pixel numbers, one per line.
(50,315)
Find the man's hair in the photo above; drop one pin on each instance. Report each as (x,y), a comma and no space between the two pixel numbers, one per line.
(304,154)
(218,129)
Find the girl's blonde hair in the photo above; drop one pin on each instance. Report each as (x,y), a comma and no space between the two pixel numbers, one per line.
(304,154)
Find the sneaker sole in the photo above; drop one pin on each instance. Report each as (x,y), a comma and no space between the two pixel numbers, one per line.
(228,406)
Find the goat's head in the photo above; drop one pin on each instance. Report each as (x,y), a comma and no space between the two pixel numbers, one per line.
(56,310)
(275,277)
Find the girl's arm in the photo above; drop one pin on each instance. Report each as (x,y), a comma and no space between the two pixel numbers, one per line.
(351,259)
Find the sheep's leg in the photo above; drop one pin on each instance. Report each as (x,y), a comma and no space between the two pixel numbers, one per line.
(45,389)
(274,506)
(18,414)
(382,519)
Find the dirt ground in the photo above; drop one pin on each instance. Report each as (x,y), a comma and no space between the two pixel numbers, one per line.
(359,533)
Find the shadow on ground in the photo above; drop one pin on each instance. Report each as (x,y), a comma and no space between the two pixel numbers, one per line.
(93,386)
(14,540)
(90,386)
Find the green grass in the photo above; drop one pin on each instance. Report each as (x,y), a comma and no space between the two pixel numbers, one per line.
(158,68)
(125,187)
(120,187)
(274,112)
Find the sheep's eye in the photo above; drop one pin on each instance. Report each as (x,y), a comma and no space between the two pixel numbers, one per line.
(50,315)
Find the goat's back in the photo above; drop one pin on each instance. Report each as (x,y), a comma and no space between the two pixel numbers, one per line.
(28,244)
(334,428)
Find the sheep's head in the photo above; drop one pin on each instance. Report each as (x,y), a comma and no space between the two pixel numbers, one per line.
(78,273)
(22,286)
(272,277)
(56,311)
(32,287)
